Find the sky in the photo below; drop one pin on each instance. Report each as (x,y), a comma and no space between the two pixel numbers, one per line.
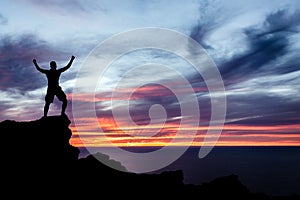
(254,45)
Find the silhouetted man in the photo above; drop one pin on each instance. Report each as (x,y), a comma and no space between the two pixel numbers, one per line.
(53,85)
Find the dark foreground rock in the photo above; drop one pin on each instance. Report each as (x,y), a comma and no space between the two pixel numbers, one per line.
(38,162)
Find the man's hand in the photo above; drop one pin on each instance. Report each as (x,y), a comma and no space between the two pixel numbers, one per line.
(34,60)
(73,57)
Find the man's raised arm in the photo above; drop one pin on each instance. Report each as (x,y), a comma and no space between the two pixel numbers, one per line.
(68,65)
(38,67)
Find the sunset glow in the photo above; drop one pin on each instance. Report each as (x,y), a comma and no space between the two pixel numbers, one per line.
(232,135)
(254,48)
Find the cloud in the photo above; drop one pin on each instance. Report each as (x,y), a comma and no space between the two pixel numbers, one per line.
(149,95)
(68,6)
(262,109)
(16,67)
(269,99)
(140,102)
(267,43)
(261,76)
(3,20)
(207,22)
(17,106)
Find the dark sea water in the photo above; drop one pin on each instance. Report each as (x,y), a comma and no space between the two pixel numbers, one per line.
(271,170)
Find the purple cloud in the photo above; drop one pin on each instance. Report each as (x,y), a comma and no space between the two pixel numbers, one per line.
(16,53)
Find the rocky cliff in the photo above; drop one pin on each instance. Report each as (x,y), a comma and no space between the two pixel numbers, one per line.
(38,161)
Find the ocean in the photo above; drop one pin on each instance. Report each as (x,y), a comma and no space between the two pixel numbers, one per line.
(270,170)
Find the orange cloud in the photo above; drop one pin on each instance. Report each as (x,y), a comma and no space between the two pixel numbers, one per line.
(125,135)
(232,135)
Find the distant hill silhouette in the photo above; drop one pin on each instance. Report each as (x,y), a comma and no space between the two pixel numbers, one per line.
(38,161)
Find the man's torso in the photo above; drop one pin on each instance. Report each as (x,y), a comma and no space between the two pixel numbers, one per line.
(53,78)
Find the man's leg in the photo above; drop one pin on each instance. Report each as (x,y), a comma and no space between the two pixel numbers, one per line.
(62,97)
(48,100)
(46,108)
(64,106)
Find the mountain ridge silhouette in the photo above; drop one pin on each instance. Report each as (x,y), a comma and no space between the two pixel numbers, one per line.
(39,160)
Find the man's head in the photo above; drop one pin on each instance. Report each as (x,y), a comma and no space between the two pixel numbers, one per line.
(53,65)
